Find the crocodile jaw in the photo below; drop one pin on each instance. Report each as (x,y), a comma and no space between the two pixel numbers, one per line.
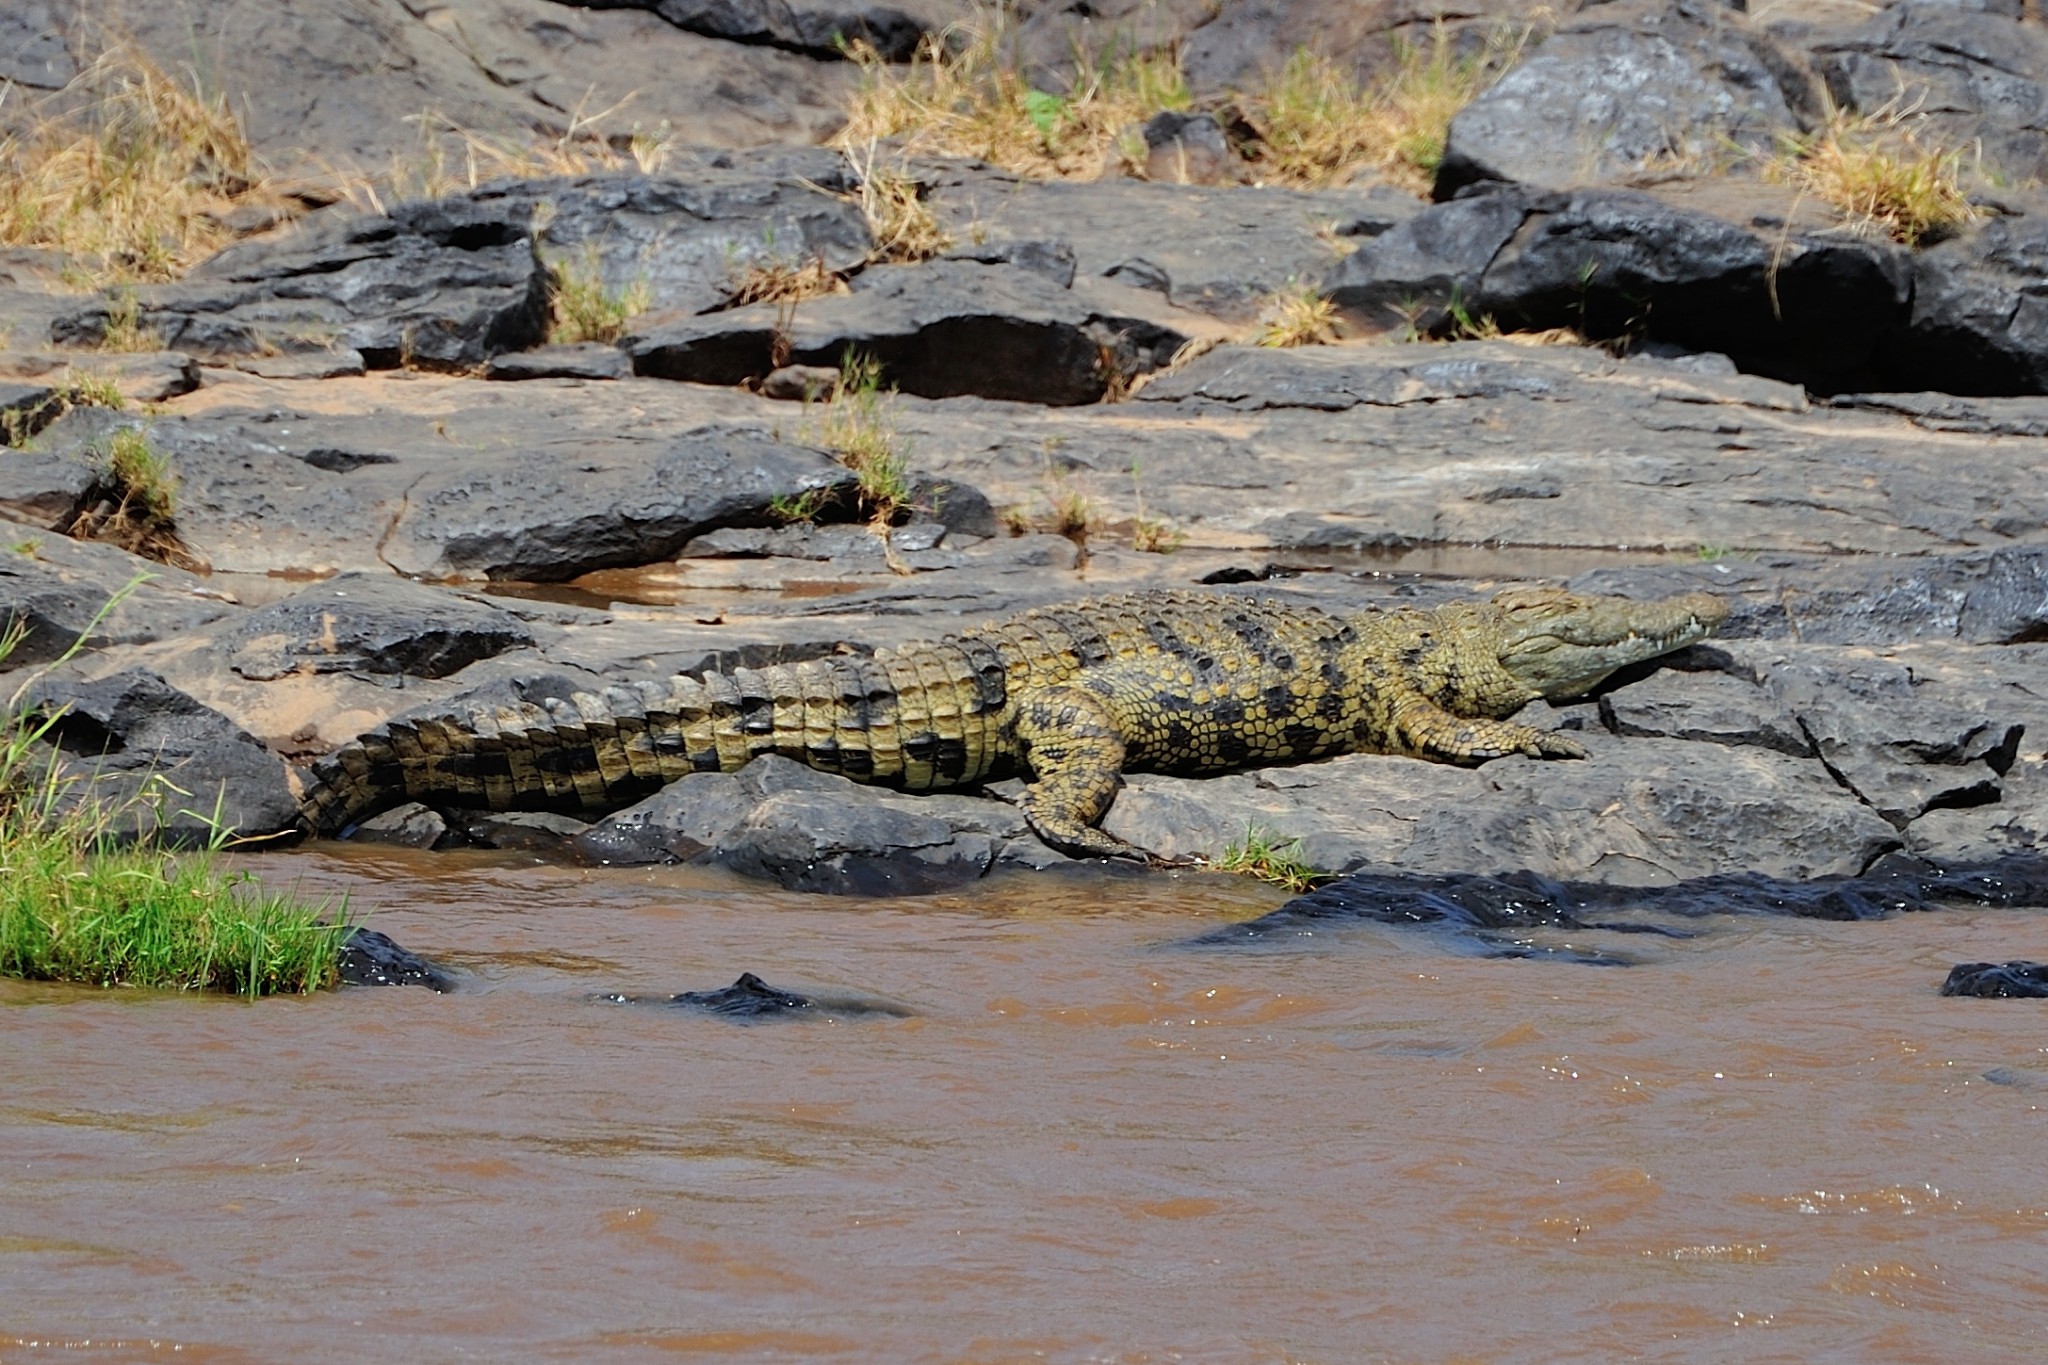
(1561,644)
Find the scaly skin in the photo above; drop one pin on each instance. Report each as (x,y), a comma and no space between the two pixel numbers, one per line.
(1075,695)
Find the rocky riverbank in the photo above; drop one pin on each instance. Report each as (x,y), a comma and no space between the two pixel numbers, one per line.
(394,487)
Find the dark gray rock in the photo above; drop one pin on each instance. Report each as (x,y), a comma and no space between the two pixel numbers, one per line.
(1222,251)
(683,240)
(46,489)
(810,831)
(376,624)
(1639,811)
(1187,149)
(1960,75)
(807,26)
(1628,89)
(32,50)
(26,407)
(445,283)
(411,825)
(585,360)
(1050,257)
(525,831)
(166,767)
(1979,324)
(686,818)
(59,589)
(939,330)
(1812,309)
(1713,707)
(1999,980)
(547,517)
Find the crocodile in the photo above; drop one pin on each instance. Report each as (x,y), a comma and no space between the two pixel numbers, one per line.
(1074,695)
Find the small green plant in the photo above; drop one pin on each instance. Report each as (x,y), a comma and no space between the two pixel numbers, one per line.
(1710,554)
(1269,858)
(90,391)
(854,422)
(1152,535)
(1297,314)
(78,905)
(27,549)
(584,310)
(804,506)
(1073,511)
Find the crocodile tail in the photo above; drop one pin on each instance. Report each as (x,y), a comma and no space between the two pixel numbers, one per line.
(928,716)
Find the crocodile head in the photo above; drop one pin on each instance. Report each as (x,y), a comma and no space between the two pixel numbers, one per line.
(1561,644)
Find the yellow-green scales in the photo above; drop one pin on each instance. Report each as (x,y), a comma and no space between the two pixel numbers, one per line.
(1072,695)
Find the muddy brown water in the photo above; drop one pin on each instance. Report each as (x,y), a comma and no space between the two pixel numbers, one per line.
(1089,1143)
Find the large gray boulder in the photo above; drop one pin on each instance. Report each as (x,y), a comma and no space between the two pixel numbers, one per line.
(1979,323)
(164,766)
(816,28)
(939,330)
(1806,306)
(1627,90)
(1960,77)
(371,624)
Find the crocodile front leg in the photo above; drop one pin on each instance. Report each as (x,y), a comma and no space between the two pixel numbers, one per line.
(1429,731)
(1075,750)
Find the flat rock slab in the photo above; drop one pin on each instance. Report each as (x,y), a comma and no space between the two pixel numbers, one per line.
(486,489)
(1217,251)
(363,623)
(939,330)
(60,590)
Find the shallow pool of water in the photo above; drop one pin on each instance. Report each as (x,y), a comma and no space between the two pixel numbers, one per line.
(1089,1142)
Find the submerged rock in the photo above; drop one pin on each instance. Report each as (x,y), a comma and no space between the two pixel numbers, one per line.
(750,1000)
(369,958)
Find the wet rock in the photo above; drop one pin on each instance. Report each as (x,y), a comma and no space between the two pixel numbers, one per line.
(363,623)
(1627,89)
(585,360)
(167,768)
(686,818)
(411,825)
(1497,913)
(1960,75)
(443,283)
(2000,980)
(369,958)
(544,517)
(940,329)
(1800,306)
(525,831)
(810,831)
(750,1000)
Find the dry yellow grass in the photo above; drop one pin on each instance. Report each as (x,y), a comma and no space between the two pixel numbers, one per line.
(1873,169)
(1320,123)
(1297,315)
(900,223)
(582,309)
(961,96)
(779,281)
(451,159)
(132,182)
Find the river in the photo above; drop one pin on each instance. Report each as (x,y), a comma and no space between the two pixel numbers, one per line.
(1086,1142)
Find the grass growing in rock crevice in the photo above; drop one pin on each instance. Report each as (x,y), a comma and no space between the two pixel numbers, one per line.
(77,905)
(581,308)
(1268,857)
(1874,169)
(133,502)
(855,424)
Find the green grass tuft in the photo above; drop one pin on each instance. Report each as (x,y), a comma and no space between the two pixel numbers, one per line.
(76,905)
(1270,858)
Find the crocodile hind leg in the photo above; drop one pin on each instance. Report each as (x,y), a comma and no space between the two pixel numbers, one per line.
(1071,740)
(1429,731)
